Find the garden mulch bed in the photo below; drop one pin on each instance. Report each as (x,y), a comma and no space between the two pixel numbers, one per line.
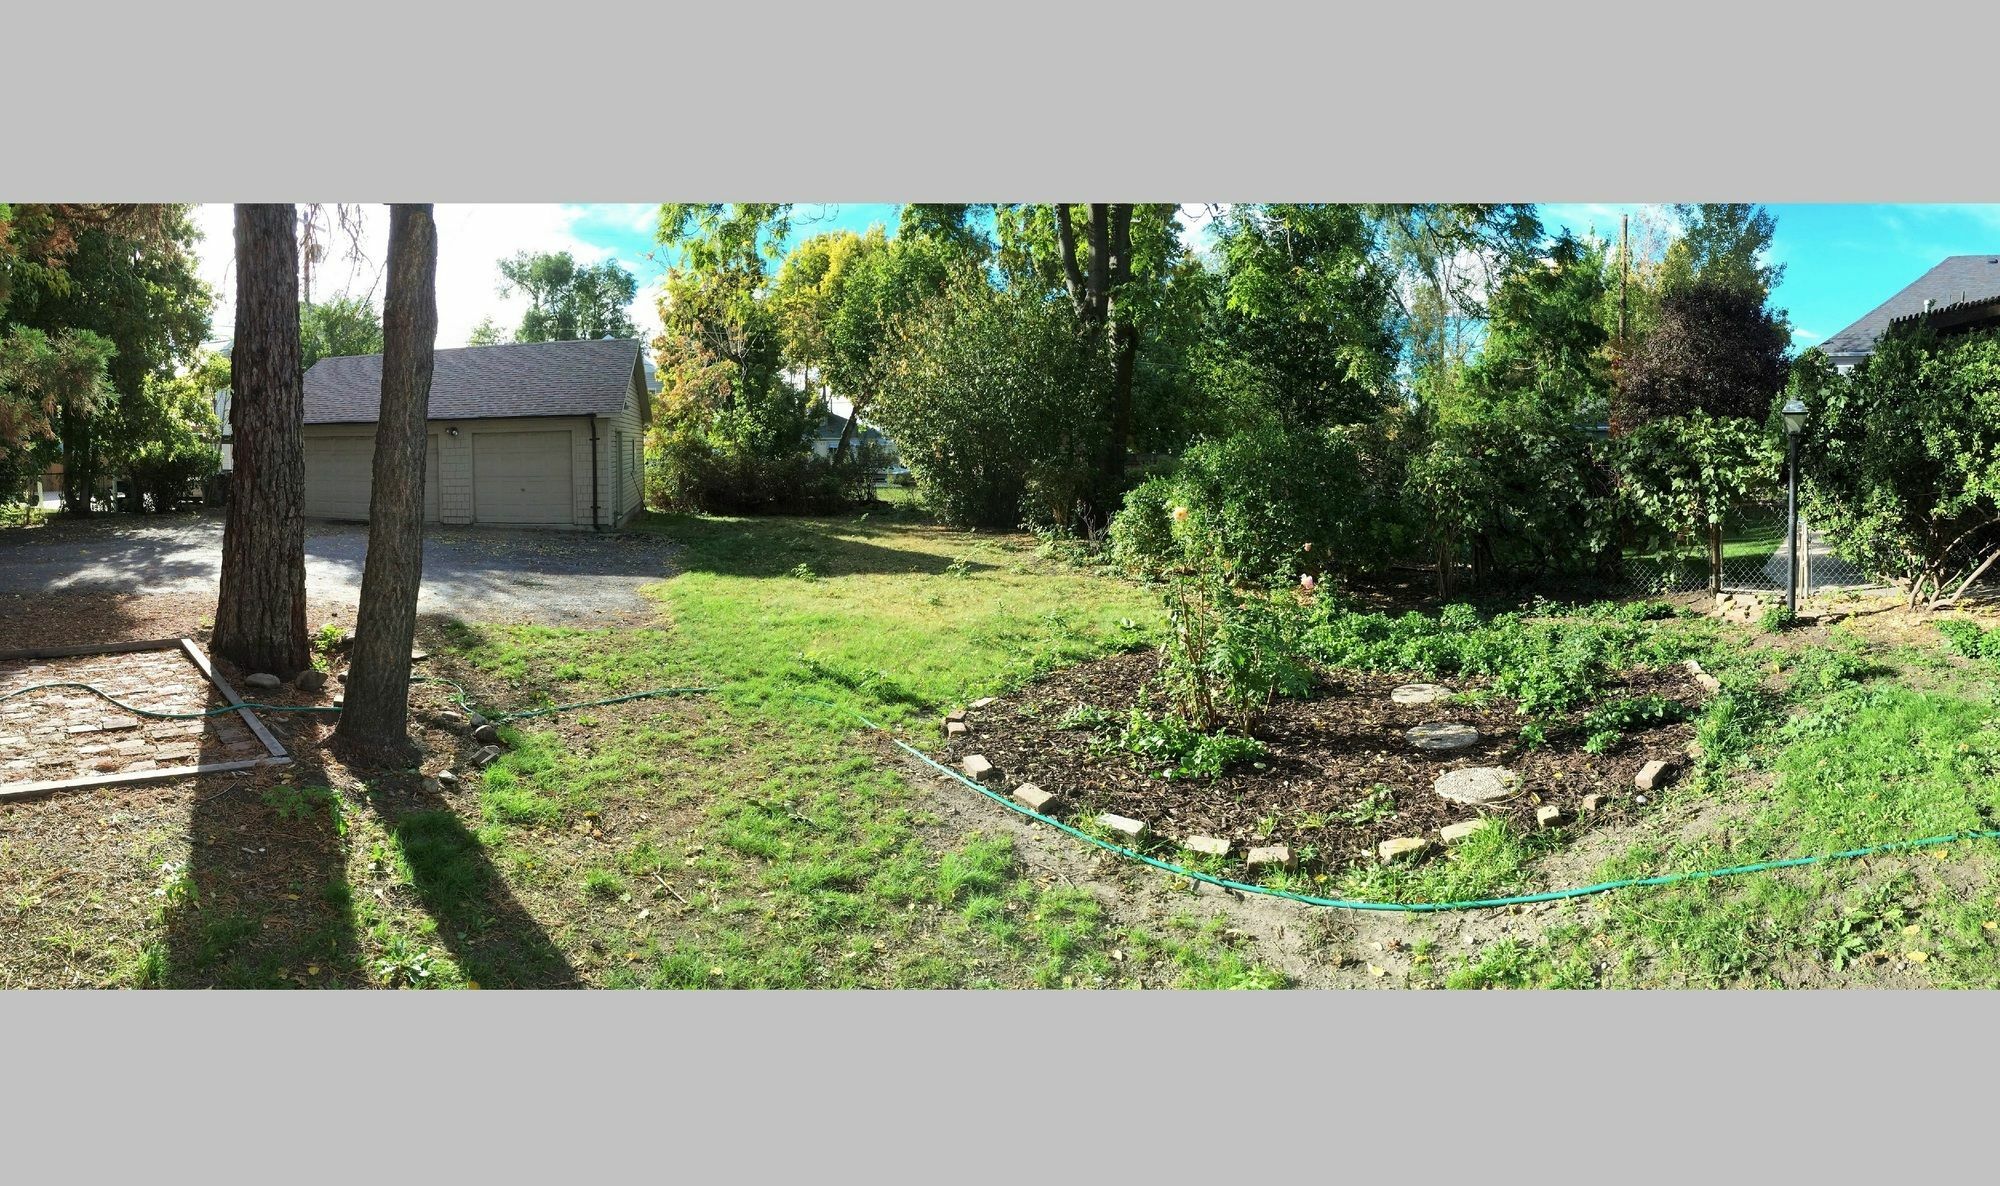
(1326,756)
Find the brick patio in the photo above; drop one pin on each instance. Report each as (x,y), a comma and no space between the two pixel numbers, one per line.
(66,733)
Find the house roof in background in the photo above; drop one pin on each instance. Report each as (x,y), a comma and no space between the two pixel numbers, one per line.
(475,382)
(1958,280)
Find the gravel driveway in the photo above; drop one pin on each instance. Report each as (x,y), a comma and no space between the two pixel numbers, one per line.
(477,574)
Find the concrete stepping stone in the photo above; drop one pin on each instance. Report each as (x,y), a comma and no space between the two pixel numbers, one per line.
(1419,693)
(1478,786)
(1443,737)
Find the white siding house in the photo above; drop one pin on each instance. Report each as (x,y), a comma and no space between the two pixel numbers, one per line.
(539,434)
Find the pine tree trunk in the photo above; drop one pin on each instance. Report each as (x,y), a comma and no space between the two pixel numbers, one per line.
(260,617)
(376,715)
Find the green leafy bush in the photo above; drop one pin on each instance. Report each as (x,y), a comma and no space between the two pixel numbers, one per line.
(1971,639)
(1267,505)
(1228,655)
(1181,750)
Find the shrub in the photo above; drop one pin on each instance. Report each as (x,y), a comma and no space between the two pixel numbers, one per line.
(1228,655)
(1269,504)
(996,403)
(686,473)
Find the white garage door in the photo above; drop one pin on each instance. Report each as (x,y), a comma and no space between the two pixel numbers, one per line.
(521,477)
(340,472)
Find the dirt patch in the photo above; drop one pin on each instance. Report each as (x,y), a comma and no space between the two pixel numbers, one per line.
(1339,774)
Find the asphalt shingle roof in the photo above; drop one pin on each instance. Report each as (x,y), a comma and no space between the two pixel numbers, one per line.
(1959,278)
(475,382)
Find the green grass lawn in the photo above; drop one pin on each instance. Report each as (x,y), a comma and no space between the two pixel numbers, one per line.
(761,837)
(757,837)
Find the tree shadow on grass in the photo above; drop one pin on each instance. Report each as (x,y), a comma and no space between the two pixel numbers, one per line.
(832,547)
(265,900)
(492,938)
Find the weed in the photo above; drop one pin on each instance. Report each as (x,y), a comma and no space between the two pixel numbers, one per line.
(603,883)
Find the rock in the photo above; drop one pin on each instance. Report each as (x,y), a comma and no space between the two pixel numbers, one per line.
(1269,856)
(451,718)
(1419,693)
(983,702)
(487,734)
(1708,683)
(1035,798)
(341,676)
(1693,666)
(475,719)
(1550,816)
(956,714)
(345,641)
(956,729)
(1213,846)
(1653,775)
(486,755)
(1122,827)
(1403,848)
(1453,833)
(1594,802)
(1639,799)
(312,679)
(1477,786)
(447,777)
(978,769)
(263,679)
(419,656)
(1443,738)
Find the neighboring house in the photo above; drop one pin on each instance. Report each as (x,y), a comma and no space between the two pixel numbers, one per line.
(535,434)
(1954,293)
(826,438)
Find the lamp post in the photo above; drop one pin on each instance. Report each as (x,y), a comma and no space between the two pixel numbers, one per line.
(1795,420)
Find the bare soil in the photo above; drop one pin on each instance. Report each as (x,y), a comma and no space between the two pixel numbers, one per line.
(1316,788)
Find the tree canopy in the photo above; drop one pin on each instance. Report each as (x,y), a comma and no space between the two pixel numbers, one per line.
(568,301)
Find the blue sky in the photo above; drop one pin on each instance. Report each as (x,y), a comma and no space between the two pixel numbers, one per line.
(1840,260)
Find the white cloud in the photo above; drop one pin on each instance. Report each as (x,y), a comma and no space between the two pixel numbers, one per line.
(471,241)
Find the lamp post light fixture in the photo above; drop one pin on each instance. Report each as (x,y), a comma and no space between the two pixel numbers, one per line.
(1795,421)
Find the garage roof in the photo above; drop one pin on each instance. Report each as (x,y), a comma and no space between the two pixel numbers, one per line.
(479,382)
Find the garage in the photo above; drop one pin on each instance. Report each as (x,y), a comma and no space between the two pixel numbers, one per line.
(530,434)
(521,477)
(340,477)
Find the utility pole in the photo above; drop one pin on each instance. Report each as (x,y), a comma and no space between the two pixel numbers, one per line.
(1624,274)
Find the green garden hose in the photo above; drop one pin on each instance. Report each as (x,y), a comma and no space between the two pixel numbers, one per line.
(421,679)
(1582,891)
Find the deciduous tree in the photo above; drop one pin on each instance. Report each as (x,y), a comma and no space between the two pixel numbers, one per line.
(569,301)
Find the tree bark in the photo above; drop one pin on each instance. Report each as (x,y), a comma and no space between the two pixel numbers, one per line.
(377,711)
(260,615)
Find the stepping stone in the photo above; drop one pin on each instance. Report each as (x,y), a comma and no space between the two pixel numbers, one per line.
(1595,802)
(1478,786)
(1443,738)
(978,769)
(1550,816)
(1419,693)
(1127,829)
(982,702)
(955,729)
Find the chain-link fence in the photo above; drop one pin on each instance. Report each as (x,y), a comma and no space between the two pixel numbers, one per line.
(1756,557)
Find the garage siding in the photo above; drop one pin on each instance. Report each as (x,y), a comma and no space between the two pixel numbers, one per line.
(339,461)
(340,473)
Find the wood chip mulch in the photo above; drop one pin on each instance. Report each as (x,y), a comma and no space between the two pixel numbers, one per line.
(1327,757)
